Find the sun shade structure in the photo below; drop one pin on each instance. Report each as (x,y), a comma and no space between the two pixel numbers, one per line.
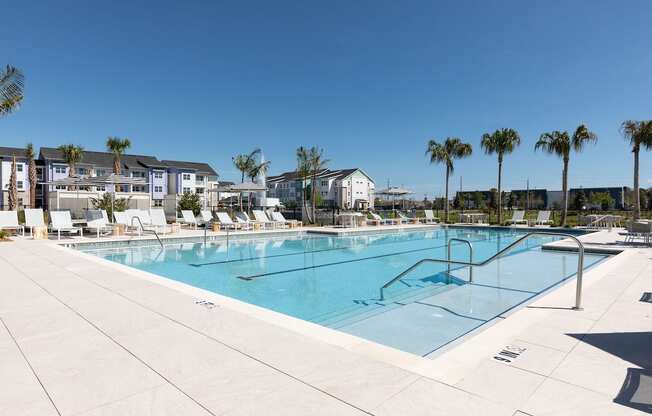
(240,187)
(394,191)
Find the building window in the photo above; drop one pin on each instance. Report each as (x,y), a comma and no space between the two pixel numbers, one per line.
(158,189)
(138,188)
(199,190)
(81,171)
(186,176)
(138,174)
(186,190)
(19,167)
(19,184)
(199,178)
(158,175)
(158,202)
(59,169)
(100,172)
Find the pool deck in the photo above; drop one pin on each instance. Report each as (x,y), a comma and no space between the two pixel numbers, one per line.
(80,335)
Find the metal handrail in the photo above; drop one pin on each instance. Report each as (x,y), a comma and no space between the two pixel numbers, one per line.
(144,230)
(467,242)
(580,263)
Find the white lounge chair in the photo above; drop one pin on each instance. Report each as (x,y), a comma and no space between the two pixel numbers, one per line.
(405,219)
(61,221)
(543,218)
(429,217)
(158,222)
(278,217)
(188,218)
(9,221)
(262,218)
(96,220)
(34,218)
(243,219)
(205,217)
(638,229)
(227,223)
(518,217)
(123,218)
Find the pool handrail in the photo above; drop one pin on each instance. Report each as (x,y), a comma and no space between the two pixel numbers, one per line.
(468,243)
(580,262)
(136,217)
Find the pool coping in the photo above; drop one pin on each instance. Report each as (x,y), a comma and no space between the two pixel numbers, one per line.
(421,365)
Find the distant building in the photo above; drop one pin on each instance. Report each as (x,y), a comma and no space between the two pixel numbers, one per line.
(343,188)
(193,177)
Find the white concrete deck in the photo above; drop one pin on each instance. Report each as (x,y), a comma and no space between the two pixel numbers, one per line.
(83,336)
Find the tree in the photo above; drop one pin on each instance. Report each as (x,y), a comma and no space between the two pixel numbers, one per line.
(501,142)
(11,90)
(72,155)
(245,163)
(579,201)
(512,200)
(303,173)
(478,200)
(107,203)
(453,148)
(117,146)
(639,134)
(317,163)
(189,201)
(31,173)
(256,169)
(13,189)
(601,199)
(560,143)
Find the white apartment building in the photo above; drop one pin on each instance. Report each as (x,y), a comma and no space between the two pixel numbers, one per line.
(343,188)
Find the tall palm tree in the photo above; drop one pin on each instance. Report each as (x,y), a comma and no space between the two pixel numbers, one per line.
(13,189)
(501,142)
(639,134)
(72,155)
(11,89)
(560,143)
(257,168)
(303,173)
(453,148)
(31,173)
(117,146)
(317,163)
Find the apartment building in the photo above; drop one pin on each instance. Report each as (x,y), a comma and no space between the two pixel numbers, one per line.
(190,177)
(7,155)
(342,188)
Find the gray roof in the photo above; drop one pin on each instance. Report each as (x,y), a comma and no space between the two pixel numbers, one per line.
(10,152)
(202,168)
(105,159)
(338,174)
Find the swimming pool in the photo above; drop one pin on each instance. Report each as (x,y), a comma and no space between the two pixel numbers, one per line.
(335,281)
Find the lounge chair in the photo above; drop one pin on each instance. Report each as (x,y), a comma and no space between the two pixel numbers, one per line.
(382,220)
(188,218)
(543,218)
(61,221)
(123,218)
(227,223)
(518,217)
(205,217)
(96,220)
(405,219)
(158,221)
(262,218)
(243,219)
(9,221)
(429,217)
(34,218)
(278,217)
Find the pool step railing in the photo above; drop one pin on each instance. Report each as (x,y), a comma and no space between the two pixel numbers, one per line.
(135,217)
(449,261)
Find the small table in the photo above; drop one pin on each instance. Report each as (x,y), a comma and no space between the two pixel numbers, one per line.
(40,232)
(175,227)
(216,227)
(119,229)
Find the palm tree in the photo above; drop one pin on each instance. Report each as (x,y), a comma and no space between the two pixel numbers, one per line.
(117,146)
(255,170)
(639,134)
(453,148)
(501,142)
(72,155)
(303,173)
(245,163)
(560,143)
(31,173)
(11,89)
(316,163)
(13,189)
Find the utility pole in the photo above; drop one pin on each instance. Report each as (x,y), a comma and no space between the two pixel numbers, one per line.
(461,198)
(527,199)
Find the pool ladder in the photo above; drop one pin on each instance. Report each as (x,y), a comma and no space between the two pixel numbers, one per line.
(135,217)
(580,262)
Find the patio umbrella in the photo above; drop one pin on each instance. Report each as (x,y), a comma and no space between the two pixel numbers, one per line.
(240,188)
(394,191)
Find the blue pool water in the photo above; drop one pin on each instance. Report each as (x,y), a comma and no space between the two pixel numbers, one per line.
(335,281)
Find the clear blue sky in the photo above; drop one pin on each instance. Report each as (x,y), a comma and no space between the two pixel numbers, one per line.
(370,82)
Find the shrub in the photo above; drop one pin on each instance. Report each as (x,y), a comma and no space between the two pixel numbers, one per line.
(106,203)
(189,200)
(4,235)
